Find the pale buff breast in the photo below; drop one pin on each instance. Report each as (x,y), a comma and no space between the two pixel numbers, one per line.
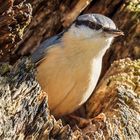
(68,84)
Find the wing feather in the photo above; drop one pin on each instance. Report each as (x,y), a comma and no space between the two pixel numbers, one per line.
(41,51)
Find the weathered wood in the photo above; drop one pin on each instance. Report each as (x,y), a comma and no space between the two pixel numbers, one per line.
(127,18)
(46,22)
(118,96)
(13,21)
(24,112)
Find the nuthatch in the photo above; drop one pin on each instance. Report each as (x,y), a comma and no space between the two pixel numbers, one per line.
(69,64)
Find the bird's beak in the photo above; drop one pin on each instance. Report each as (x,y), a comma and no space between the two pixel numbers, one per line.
(115,32)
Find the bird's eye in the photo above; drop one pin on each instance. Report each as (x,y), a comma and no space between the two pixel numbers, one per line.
(98,26)
(91,25)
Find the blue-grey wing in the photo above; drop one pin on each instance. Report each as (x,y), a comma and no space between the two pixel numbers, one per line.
(40,52)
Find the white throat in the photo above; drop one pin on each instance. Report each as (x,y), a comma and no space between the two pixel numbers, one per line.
(86,41)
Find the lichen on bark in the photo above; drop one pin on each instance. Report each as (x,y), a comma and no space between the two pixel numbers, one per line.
(118,96)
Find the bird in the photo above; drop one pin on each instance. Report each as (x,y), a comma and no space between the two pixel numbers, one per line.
(69,64)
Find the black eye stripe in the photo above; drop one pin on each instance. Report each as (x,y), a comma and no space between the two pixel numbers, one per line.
(89,24)
(92,25)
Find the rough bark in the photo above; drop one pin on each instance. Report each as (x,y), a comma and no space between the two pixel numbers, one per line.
(13,20)
(24,112)
(117,96)
(127,18)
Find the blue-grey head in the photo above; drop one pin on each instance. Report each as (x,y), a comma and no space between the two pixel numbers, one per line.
(95,25)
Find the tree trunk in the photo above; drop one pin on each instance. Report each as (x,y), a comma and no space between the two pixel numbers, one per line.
(117,96)
(113,106)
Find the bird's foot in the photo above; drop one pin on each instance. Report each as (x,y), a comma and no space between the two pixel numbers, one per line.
(83,122)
